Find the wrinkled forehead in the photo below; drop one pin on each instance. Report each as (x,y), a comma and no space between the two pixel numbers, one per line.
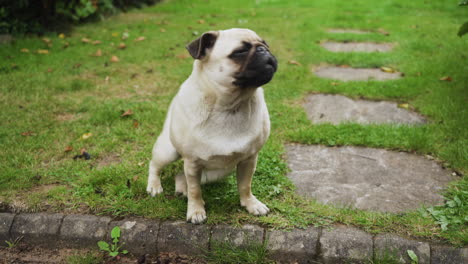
(231,39)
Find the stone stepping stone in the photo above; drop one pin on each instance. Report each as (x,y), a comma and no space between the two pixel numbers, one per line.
(336,109)
(356,46)
(351,31)
(355,74)
(366,178)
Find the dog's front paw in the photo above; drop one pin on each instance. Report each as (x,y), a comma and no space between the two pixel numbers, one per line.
(154,190)
(255,207)
(196,216)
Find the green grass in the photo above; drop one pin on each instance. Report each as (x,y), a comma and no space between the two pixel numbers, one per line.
(50,100)
(224,252)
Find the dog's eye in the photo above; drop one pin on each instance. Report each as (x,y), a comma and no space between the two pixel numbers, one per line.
(241,51)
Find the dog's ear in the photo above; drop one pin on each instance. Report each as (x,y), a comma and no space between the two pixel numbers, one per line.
(197,48)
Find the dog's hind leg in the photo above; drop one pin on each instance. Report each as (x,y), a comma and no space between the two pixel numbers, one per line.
(180,184)
(163,154)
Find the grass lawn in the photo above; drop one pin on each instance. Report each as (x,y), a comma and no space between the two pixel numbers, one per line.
(49,101)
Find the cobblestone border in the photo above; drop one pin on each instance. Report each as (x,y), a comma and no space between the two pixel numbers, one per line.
(339,244)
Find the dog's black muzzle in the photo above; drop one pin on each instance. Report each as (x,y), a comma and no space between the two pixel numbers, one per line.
(259,68)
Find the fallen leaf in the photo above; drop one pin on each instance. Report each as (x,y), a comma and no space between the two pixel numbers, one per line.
(125,35)
(182,56)
(162,30)
(122,46)
(387,69)
(107,79)
(201,21)
(129,112)
(335,83)
(136,124)
(27,133)
(50,45)
(383,32)
(24,50)
(115,34)
(42,51)
(295,62)
(141,163)
(50,70)
(114,59)
(68,149)
(140,39)
(446,78)
(96,42)
(98,53)
(85,40)
(65,45)
(404,106)
(46,40)
(61,35)
(135,178)
(86,136)
(76,66)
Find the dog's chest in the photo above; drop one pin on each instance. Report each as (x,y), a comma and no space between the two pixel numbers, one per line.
(226,139)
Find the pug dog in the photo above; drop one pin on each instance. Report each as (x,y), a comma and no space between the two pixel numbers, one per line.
(218,121)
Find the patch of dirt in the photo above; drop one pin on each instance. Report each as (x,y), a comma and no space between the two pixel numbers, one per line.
(108,160)
(25,254)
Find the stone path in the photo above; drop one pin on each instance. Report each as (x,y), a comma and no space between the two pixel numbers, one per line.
(337,244)
(366,178)
(357,177)
(356,46)
(353,74)
(336,109)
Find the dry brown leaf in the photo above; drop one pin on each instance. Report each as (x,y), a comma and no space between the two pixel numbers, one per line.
(201,21)
(50,70)
(68,149)
(98,53)
(183,56)
(76,66)
(96,42)
(136,124)
(46,40)
(140,39)
(383,32)
(135,178)
(24,50)
(446,78)
(162,30)
(85,40)
(107,79)
(129,112)
(122,46)
(295,62)
(114,59)
(27,133)
(43,51)
(335,83)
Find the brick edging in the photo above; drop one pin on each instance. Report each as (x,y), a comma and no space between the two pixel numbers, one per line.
(142,236)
